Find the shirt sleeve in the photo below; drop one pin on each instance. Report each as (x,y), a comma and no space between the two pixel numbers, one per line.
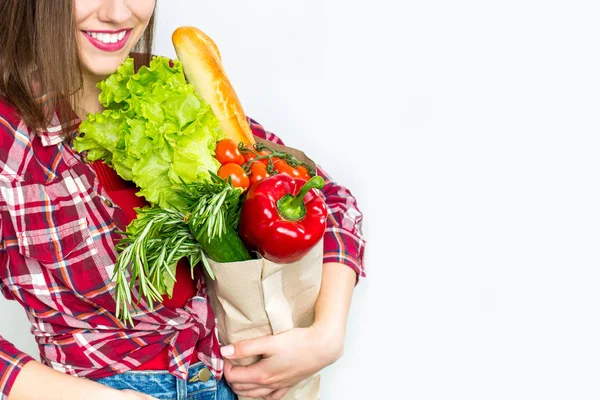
(11,362)
(11,358)
(343,241)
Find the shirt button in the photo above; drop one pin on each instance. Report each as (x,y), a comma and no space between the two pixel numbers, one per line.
(108,202)
(203,375)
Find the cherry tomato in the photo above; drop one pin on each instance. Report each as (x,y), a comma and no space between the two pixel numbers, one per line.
(275,159)
(228,152)
(284,168)
(249,156)
(239,178)
(264,153)
(258,171)
(303,172)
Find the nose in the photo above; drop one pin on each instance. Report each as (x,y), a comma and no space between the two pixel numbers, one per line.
(114,11)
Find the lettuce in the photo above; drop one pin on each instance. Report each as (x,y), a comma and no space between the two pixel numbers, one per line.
(155,130)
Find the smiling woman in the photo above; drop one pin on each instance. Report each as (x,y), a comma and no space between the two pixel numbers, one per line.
(62,217)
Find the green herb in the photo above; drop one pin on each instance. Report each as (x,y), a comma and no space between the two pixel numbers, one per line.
(160,237)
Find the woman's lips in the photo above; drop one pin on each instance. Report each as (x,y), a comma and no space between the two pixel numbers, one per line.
(108,40)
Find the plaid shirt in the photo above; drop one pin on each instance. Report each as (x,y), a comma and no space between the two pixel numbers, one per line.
(57,254)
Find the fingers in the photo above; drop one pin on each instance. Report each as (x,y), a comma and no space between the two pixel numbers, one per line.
(264,393)
(253,381)
(255,393)
(262,346)
(254,373)
(249,379)
(253,386)
(277,395)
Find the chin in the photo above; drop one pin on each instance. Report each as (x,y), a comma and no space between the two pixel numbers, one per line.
(103,66)
(99,64)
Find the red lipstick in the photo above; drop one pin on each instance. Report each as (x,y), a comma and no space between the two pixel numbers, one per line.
(108,46)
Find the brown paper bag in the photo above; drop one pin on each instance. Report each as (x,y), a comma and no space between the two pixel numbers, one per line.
(258,297)
(290,150)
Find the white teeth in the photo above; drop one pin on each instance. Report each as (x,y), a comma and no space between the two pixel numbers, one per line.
(107,37)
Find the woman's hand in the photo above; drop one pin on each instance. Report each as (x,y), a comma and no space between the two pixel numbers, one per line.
(294,355)
(288,358)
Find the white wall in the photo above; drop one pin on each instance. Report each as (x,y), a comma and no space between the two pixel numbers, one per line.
(469,132)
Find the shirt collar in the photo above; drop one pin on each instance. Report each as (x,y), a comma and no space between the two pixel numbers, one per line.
(56,132)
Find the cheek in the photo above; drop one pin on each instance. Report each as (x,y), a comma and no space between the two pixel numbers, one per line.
(83,9)
(142,9)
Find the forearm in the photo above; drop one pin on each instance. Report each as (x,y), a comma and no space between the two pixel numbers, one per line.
(37,381)
(333,305)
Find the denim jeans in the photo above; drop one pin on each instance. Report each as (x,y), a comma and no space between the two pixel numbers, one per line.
(201,385)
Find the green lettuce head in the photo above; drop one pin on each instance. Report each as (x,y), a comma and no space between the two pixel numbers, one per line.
(155,130)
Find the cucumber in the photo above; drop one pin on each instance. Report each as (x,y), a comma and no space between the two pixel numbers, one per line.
(227,248)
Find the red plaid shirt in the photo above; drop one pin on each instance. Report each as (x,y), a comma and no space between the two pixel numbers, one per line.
(57,254)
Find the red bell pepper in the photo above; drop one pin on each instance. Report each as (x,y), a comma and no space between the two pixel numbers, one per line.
(283,218)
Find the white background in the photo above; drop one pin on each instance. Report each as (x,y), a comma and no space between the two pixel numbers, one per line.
(468,131)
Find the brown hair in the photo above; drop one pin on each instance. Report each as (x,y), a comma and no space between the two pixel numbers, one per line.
(39,56)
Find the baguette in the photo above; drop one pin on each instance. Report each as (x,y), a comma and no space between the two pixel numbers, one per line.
(203,68)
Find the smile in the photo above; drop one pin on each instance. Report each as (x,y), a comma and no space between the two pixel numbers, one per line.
(106,37)
(108,41)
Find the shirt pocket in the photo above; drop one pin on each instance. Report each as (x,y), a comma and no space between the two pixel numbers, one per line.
(55,234)
(69,255)
(53,245)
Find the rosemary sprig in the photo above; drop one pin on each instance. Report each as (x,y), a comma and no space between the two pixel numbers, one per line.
(159,238)
(214,208)
(152,245)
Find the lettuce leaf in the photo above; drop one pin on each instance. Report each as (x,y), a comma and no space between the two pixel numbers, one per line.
(155,130)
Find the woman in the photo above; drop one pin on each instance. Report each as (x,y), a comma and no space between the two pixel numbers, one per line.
(59,217)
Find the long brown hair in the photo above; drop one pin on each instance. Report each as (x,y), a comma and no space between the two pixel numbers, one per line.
(39,56)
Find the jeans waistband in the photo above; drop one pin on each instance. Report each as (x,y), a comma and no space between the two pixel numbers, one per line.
(200,385)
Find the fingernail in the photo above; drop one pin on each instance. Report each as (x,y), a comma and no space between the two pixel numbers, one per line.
(227,351)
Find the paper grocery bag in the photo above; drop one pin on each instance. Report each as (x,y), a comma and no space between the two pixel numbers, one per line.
(298,154)
(258,298)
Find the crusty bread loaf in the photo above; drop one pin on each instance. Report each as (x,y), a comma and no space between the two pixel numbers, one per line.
(203,69)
